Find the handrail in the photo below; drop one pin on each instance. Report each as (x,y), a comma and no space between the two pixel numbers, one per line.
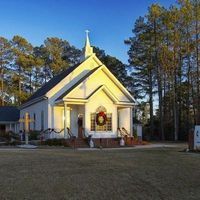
(58,132)
(125,131)
(50,130)
(84,132)
(13,135)
(120,131)
(69,132)
(44,131)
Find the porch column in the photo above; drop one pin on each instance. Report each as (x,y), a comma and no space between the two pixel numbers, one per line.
(10,127)
(52,117)
(65,120)
(131,122)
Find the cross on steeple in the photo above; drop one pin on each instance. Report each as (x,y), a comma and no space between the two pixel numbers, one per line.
(87,42)
(88,50)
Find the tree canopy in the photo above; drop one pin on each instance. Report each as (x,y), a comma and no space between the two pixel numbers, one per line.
(25,68)
(164,57)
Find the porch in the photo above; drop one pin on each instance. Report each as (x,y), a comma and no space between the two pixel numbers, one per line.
(80,120)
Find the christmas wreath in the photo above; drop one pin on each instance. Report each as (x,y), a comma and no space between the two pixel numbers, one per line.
(101,118)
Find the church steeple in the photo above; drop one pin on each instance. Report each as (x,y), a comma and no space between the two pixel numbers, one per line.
(88,50)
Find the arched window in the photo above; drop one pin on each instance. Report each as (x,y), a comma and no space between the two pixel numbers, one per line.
(101,109)
(107,126)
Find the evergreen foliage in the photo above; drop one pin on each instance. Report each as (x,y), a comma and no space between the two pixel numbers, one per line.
(164,57)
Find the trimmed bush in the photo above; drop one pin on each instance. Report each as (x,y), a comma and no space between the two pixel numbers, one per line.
(34,135)
(55,142)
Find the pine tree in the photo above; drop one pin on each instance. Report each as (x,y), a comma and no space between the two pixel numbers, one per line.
(140,58)
(5,60)
(22,51)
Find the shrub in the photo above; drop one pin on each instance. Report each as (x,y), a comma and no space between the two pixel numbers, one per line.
(14,143)
(34,135)
(9,135)
(56,142)
(135,134)
(5,135)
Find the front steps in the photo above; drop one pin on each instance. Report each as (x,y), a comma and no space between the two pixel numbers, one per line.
(106,142)
(77,142)
(100,142)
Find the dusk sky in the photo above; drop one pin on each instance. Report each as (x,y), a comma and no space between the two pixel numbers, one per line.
(109,21)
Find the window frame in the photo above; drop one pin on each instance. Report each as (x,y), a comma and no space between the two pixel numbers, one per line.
(106,128)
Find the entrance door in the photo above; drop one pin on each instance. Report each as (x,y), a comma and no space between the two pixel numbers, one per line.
(80,126)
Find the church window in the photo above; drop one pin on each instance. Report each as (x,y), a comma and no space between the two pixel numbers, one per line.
(107,126)
(109,122)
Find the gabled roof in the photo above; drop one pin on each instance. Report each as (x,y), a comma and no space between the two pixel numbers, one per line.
(100,88)
(44,91)
(77,83)
(53,82)
(9,114)
(124,90)
(106,90)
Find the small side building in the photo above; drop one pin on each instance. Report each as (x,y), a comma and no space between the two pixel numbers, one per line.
(9,119)
(137,127)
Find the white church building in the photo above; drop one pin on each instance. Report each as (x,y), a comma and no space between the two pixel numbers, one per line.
(86,99)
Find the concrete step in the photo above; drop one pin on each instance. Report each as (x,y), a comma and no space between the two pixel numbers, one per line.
(78,142)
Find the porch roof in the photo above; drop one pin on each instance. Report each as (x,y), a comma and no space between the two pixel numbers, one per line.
(85,100)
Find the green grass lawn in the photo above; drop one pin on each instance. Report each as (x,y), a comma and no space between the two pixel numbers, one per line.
(159,173)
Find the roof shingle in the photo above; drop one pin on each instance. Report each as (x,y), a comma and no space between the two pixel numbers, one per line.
(53,82)
(9,113)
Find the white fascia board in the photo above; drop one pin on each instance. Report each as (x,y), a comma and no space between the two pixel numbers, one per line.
(96,59)
(118,83)
(9,122)
(75,100)
(126,104)
(71,101)
(107,91)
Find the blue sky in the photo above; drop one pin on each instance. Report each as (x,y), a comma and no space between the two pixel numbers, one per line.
(109,21)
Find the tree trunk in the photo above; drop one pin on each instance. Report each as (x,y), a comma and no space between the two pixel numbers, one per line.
(19,87)
(30,82)
(2,86)
(159,81)
(174,94)
(151,105)
(197,60)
